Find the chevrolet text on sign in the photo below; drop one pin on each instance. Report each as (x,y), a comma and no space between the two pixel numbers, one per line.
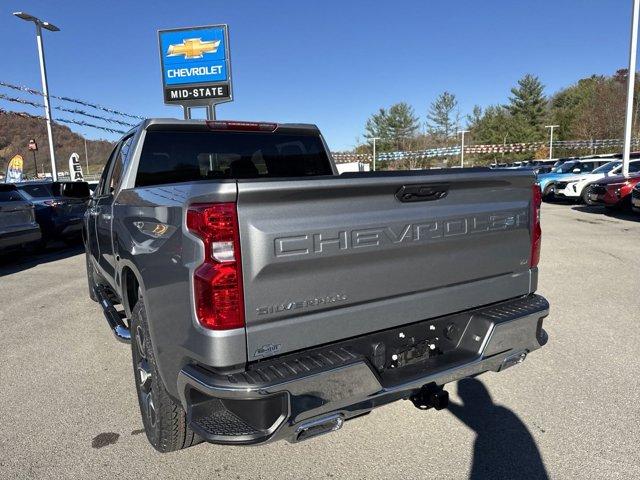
(195,65)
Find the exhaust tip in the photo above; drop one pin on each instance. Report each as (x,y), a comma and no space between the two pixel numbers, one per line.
(513,359)
(319,427)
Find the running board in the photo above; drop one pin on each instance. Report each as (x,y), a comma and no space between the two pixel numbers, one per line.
(114,318)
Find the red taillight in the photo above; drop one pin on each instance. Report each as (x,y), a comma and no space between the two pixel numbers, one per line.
(241,126)
(217,283)
(536,230)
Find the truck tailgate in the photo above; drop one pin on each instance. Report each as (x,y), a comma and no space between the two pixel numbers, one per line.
(331,258)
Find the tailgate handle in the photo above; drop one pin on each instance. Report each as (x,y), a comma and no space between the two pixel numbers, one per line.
(423,192)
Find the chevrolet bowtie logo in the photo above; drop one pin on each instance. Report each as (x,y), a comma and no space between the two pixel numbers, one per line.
(193,48)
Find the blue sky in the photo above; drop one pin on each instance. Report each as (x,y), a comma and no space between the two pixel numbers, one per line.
(332,63)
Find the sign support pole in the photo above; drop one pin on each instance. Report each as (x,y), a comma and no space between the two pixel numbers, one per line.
(211,112)
(462,148)
(47,107)
(86,155)
(631,81)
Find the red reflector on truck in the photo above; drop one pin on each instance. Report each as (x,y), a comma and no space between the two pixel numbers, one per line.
(241,126)
(536,230)
(217,283)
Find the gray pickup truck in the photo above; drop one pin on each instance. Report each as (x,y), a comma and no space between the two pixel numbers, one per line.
(266,297)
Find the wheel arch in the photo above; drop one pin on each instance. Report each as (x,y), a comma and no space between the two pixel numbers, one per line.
(131,281)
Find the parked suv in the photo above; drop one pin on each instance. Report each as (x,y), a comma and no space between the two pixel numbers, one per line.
(574,187)
(548,181)
(59,207)
(18,225)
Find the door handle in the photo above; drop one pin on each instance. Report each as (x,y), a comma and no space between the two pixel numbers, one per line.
(106,216)
(422,193)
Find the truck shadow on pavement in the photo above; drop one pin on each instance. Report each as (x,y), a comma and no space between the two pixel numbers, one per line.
(25,259)
(504,447)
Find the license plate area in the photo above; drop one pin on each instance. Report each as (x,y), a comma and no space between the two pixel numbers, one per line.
(402,353)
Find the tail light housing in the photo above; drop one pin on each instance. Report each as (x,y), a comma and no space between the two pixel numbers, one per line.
(217,283)
(536,229)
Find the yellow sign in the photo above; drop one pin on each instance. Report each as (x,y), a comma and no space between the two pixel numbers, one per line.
(193,48)
(14,169)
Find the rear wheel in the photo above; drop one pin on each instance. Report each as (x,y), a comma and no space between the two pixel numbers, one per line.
(164,419)
(585,197)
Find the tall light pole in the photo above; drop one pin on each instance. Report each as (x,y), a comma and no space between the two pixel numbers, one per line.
(373,167)
(462,148)
(551,127)
(631,82)
(43,74)
(86,155)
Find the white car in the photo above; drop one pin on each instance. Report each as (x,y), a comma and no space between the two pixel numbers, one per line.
(574,187)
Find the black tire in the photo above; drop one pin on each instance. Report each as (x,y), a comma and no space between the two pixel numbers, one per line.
(90,278)
(549,194)
(72,241)
(41,245)
(585,196)
(164,419)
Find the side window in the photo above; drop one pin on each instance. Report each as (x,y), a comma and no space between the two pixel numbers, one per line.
(634,167)
(119,164)
(586,166)
(101,189)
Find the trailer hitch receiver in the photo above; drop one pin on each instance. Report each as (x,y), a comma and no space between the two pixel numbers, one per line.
(430,396)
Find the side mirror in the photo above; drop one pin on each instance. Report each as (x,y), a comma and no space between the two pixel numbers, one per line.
(576,170)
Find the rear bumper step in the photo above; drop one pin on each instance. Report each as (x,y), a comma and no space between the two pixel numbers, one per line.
(307,391)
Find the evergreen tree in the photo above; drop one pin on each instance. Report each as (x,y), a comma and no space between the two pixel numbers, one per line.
(378,125)
(529,103)
(443,118)
(395,127)
(498,125)
(402,124)
(475,117)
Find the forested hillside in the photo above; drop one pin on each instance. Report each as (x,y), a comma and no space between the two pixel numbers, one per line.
(17,129)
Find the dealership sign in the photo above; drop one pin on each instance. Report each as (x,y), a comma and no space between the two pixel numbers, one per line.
(75,169)
(196,67)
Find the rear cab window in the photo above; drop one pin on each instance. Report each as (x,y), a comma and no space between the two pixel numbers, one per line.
(186,156)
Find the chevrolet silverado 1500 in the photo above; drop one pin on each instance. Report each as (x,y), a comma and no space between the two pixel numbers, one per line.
(266,297)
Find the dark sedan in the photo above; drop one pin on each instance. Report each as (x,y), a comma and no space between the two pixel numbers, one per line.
(18,226)
(59,207)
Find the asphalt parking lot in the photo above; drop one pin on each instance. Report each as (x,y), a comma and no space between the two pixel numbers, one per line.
(571,410)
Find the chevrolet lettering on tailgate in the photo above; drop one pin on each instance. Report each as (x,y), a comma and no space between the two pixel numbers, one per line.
(424,231)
